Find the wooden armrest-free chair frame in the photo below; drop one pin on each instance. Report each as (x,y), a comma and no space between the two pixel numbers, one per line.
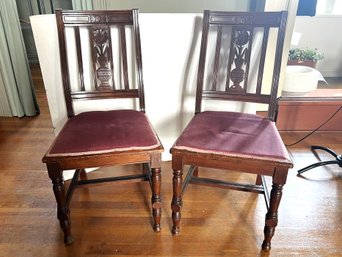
(102,138)
(232,68)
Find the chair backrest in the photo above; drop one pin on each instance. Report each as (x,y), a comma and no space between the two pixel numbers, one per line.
(234,50)
(100,54)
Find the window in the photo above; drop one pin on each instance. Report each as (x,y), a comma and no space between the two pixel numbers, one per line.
(329,7)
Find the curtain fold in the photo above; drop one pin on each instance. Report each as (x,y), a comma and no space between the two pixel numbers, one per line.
(82,4)
(15,74)
(5,108)
(101,5)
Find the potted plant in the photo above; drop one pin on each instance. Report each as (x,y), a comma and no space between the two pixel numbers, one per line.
(305,57)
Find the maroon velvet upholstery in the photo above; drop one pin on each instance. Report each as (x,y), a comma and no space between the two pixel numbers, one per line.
(233,134)
(103,131)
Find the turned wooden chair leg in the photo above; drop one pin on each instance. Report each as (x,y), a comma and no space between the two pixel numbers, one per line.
(83,174)
(271,219)
(195,173)
(176,204)
(258,180)
(156,199)
(63,213)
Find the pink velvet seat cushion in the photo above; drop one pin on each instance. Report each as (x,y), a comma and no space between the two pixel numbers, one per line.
(233,134)
(104,131)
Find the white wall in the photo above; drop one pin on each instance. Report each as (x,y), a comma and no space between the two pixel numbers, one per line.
(291,7)
(323,33)
(173,6)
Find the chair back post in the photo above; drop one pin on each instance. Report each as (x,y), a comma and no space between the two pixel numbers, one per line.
(139,60)
(64,63)
(107,81)
(203,53)
(273,108)
(228,73)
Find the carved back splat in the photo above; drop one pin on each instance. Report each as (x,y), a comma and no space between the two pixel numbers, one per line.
(102,59)
(233,54)
(90,71)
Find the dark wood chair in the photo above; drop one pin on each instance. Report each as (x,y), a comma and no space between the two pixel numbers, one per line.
(233,140)
(102,138)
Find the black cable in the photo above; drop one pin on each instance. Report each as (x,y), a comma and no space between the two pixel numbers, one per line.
(300,140)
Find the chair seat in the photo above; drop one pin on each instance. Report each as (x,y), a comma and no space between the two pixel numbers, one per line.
(233,134)
(99,132)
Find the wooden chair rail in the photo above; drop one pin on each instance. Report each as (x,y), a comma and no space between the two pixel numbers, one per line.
(76,181)
(246,97)
(88,95)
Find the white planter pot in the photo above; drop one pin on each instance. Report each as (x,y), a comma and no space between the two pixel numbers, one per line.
(301,79)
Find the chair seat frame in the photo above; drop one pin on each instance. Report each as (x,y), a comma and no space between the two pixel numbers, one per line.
(150,159)
(277,170)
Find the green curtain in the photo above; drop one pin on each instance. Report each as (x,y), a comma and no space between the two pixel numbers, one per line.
(15,74)
(82,4)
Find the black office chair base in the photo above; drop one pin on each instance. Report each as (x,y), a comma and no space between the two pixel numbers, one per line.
(337,161)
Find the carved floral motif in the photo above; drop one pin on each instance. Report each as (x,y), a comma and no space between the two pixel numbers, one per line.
(241,50)
(101,46)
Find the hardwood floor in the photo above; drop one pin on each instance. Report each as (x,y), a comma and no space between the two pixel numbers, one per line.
(113,219)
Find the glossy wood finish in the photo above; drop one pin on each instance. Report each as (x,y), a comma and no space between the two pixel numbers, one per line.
(110,219)
(241,30)
(99,25)
(245,29)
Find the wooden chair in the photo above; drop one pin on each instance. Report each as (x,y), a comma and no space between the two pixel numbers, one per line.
(233,140)
(102,138)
